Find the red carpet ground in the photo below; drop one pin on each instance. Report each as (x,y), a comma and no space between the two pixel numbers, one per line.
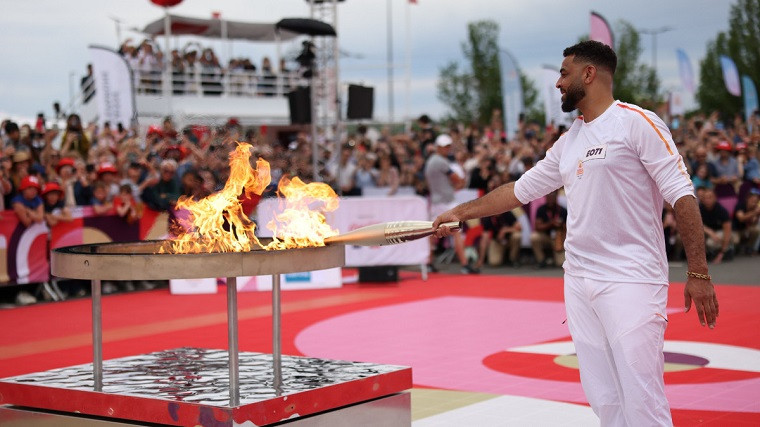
(501,335)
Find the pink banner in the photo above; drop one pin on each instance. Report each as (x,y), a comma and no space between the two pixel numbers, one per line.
(730,76)
(600,30)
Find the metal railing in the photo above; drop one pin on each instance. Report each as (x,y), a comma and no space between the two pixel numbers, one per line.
(216,82)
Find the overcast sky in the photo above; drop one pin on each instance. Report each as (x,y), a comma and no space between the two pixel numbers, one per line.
(43,43)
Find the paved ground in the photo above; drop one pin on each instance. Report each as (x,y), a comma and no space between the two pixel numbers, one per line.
(743,270)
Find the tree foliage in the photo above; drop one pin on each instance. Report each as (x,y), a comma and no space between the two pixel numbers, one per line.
(473,91)
(633,82)
(482,51)
(534,111)
(740,43)
(711,93)
(455,89)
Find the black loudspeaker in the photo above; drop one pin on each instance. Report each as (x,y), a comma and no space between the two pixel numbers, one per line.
(380,273)
(360,102)
(299,100)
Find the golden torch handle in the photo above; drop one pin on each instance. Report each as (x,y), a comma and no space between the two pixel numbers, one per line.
(388,233)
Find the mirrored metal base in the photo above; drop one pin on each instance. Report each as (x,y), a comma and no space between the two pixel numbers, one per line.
(190,386)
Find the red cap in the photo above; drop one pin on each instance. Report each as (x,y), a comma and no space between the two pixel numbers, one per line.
(66,161)
(724,145)
(51,186)
(29,181)
(741,146)
(107,167)
(155,130)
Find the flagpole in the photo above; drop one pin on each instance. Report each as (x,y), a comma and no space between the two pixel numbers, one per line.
(166,86)
(407,94)
(390,61)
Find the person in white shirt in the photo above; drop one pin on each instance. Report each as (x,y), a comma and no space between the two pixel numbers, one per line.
(617,163)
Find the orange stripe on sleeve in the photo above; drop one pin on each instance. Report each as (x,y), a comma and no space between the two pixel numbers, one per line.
(662,138)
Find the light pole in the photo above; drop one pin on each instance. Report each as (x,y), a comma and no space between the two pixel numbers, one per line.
(118,23)
(653,32)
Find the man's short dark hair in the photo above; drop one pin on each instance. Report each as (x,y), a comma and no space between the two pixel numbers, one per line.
(597,53)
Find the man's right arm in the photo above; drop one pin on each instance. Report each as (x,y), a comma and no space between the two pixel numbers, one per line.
(500,200)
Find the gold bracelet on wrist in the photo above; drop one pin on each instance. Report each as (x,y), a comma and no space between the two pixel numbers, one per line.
(698,275)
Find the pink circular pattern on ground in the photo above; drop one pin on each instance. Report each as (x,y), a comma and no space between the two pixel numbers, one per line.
(445,340)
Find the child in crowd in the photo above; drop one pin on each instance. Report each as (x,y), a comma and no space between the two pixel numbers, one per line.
(125,205)
(101,201)
(55,207)
(27,204)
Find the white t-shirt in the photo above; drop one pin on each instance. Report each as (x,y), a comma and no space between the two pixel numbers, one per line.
(616,171)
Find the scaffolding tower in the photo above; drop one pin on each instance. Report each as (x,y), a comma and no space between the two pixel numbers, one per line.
(325,87)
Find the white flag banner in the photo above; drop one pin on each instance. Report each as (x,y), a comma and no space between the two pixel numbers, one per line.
(553,99)
(113,87)
(512,93)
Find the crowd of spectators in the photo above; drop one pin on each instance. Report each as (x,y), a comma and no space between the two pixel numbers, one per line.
(45,172)
(198,70)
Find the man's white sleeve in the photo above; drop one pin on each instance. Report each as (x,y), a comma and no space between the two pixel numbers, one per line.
(659,155)
(543,178)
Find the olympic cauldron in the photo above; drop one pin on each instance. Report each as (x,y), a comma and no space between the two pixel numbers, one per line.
(192,386)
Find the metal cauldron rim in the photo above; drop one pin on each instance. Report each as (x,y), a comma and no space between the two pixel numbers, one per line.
(140,261)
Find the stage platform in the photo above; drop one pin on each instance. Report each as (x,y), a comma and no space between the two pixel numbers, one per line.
(190,386)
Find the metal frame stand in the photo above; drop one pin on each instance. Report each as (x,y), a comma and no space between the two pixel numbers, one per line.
(232,337)
(232,340)
(97,336)
(276,335)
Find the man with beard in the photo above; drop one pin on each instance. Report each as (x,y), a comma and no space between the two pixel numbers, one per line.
(617,163)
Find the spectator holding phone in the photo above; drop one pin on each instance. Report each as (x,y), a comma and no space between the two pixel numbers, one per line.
(74,138)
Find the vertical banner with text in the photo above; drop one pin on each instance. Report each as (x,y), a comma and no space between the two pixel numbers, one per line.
(113,87)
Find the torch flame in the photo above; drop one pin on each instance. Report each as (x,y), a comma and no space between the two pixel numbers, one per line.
(217,223)
(298,225)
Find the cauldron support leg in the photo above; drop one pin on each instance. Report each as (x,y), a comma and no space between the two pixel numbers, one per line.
(276,335)
(97,336)
(232,340)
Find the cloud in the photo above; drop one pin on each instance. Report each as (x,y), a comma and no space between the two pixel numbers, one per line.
(46,40)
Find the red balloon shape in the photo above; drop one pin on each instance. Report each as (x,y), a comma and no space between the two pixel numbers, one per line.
(166,3)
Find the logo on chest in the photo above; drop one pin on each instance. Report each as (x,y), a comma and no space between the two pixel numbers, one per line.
(597,152)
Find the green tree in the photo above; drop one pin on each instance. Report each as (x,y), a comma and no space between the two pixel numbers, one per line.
(455,89)
(482,51)
(740,44)
(534,111)
(473,91)
(711,93)
(633,82)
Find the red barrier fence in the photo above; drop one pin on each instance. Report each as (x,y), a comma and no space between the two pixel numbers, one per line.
(24,251)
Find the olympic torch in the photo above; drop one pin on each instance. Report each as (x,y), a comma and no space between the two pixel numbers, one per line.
(389,233)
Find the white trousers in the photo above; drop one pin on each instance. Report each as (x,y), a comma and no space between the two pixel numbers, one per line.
(619,330)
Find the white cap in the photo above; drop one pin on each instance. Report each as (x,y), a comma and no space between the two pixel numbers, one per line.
(443,140)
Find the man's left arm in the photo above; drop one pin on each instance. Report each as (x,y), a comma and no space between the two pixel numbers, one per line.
(660,157)
(700,291)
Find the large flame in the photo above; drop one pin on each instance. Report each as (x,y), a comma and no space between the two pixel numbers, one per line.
(299,225)
(217,223)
